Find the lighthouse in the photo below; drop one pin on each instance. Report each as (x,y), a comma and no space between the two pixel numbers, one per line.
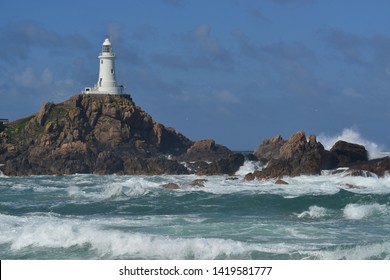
(106,83)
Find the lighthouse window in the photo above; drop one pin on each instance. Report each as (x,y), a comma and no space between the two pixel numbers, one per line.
(106,48)
(112,71)
(101,61)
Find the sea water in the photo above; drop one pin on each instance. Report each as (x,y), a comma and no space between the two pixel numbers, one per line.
(133,217)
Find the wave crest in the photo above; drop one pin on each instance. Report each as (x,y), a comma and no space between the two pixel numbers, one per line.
(314,212)
(352,136)
(359,211)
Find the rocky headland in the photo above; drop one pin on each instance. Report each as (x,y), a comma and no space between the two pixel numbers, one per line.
(110,134)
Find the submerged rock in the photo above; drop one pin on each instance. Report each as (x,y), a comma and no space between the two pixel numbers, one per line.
(170,186)
(198,183)
(281,182)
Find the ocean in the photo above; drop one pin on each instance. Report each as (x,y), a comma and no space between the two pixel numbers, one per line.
(132,217)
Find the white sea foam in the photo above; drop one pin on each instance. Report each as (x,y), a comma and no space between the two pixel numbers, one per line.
(118,187)
(352,136)
(248,167)
(362,211)
(54,232)
(314,212)
(380,250)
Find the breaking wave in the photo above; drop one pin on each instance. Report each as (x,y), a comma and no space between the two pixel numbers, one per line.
(358,211)
(314,212)
(352,136)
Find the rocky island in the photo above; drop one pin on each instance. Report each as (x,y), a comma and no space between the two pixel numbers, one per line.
(110,134)
(105,134)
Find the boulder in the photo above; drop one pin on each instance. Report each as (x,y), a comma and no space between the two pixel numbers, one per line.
(281,182)
(198,183)
(171,186)
(205,150)
(348,153)
(228,165)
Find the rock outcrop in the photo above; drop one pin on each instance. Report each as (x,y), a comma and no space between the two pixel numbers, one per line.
(301,155)
(269,149)
(296,156)
(101,134)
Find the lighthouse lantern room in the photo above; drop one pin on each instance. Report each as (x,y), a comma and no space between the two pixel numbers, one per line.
(106,83)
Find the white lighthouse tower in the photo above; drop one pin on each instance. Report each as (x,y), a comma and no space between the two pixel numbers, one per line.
(106,83)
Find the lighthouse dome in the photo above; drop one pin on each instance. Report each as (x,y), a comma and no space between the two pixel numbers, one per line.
(107,42)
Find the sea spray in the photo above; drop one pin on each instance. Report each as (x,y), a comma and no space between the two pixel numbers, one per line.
(353,136)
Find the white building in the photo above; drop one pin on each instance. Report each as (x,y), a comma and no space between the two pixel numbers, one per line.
(106,83)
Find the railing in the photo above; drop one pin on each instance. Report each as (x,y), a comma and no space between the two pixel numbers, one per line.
(107,54)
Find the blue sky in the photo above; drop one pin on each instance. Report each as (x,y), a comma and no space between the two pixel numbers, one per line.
(235,71)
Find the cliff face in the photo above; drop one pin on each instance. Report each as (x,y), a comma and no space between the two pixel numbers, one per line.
(87,134)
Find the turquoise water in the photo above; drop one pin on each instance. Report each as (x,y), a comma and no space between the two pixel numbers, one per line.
(133,217)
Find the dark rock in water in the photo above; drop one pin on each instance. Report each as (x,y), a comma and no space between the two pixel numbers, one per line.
(361,173)
(198,183)
(229,166)
(269,149)
(205,150)
(171,186)
(136,165)
(380,166)
(348,153)
(252,176)
(231,178)
(281,182)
